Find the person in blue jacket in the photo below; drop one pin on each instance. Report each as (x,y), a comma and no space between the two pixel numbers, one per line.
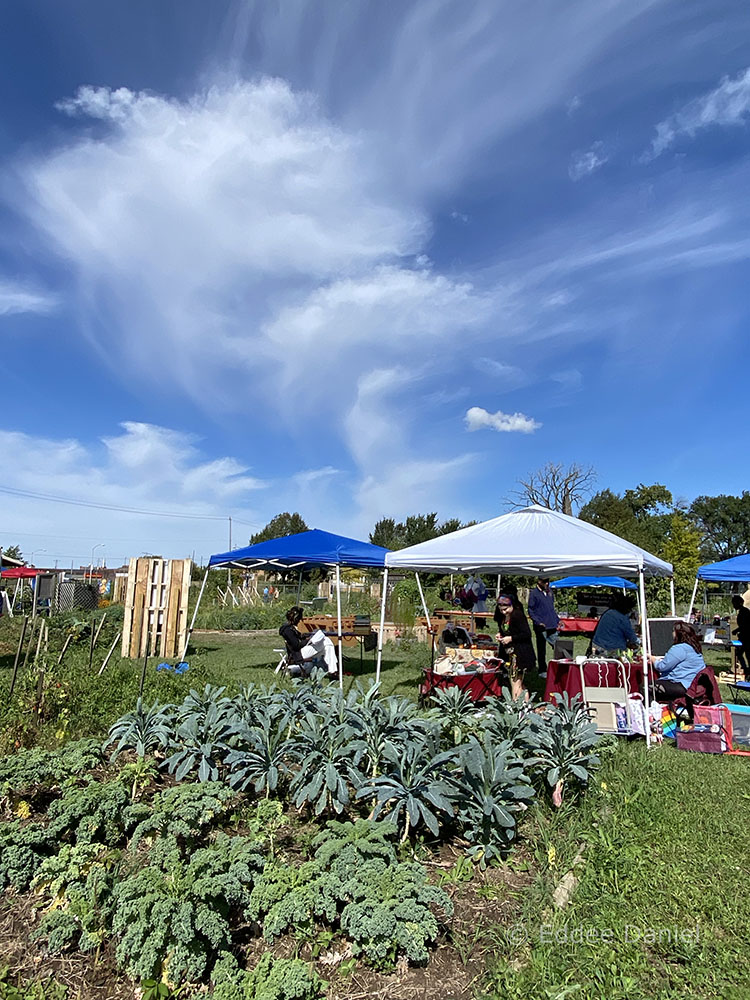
(615,630)
(681,664)
(544,619)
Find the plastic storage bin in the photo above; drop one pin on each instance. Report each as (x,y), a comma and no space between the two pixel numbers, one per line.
(740,723)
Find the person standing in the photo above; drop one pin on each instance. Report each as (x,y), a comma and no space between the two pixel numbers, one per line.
(475,584)
(743,634)
(544,619)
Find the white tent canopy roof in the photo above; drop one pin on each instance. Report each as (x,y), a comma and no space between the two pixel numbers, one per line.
(528,542)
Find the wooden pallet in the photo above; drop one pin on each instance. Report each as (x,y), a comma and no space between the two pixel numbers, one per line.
(156,600)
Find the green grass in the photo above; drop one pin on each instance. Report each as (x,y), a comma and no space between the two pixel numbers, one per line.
(662,908)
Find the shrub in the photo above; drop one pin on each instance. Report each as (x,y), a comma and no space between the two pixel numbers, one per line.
(76,885)
(96,813)
(143,731)
(185,812)
(23,848)
(490,791)
(28,768)
(172,916)
(271,979)
(415,788)
(563,746)
(390,911)
(327,762)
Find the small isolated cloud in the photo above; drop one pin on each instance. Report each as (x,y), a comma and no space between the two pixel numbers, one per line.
(573,105)
(727,104)
(570,380)
(585,163)
(499,369)
(459,216)
(478,418)
(16,298)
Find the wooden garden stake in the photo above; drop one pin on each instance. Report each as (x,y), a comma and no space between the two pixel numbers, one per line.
(143,674)
(40,677)
(31,643)
(64,650)
(18,657)
(91,645)
(106,658)
(99,629)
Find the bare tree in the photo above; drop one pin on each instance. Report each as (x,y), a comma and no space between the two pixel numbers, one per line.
(554,486)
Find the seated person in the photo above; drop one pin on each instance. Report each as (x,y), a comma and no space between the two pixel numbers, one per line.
(453,635)
(615,630)
(681,664)
(309,650)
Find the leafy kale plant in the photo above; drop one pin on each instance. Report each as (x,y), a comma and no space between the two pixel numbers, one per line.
(563,746)
(186,812)
(415,788)
(489,792)
(143,731)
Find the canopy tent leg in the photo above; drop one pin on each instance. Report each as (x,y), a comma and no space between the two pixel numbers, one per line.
(338,615)
(299,587)
(382,625)
(195,615)
(421,597)
(671,597)
(692,599)
(645,651)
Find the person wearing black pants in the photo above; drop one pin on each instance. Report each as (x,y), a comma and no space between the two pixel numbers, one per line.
(544,619)
(743,634)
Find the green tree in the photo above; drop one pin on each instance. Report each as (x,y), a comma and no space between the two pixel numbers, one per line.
(724,524)
(277,527)
(416,528)
(13,552)
(641,516)
(683,549)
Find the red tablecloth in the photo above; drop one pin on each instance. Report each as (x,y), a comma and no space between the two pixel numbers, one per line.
(565,676)
(478,686)
(577,626)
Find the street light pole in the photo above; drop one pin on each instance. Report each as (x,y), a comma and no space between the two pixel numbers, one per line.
(98,545)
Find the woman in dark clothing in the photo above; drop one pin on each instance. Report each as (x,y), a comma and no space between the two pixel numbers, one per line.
(514,633)
(304,650)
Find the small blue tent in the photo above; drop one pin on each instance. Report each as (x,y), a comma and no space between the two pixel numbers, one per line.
(595,581)
(732,570)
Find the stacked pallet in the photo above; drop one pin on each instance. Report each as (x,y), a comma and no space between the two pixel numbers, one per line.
(156,606)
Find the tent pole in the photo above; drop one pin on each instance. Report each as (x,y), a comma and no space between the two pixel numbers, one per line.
(299,587)
(421,597)
(645,651)
(195,615)
(382,624)
(338,615)
(692,599)
(671,596)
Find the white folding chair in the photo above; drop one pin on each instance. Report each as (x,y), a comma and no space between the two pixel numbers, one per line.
(602,699)
(283,664)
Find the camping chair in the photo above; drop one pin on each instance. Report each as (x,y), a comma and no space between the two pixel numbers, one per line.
(603,697)
(703,691)
(283,665)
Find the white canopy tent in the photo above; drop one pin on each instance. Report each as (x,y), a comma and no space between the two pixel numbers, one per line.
(533,541)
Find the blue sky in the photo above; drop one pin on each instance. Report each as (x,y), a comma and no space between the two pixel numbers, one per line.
(361,259)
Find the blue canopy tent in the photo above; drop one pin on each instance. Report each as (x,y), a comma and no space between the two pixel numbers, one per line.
(595,581)
(302,551)
(734,570)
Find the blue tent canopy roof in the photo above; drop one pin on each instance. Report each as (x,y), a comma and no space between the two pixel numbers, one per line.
(736,569)
(595,581)
(306,548)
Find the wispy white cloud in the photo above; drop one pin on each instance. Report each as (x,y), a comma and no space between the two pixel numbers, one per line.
(584,163)
(22,298)
(477,418)
(727,104)
(143,466)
